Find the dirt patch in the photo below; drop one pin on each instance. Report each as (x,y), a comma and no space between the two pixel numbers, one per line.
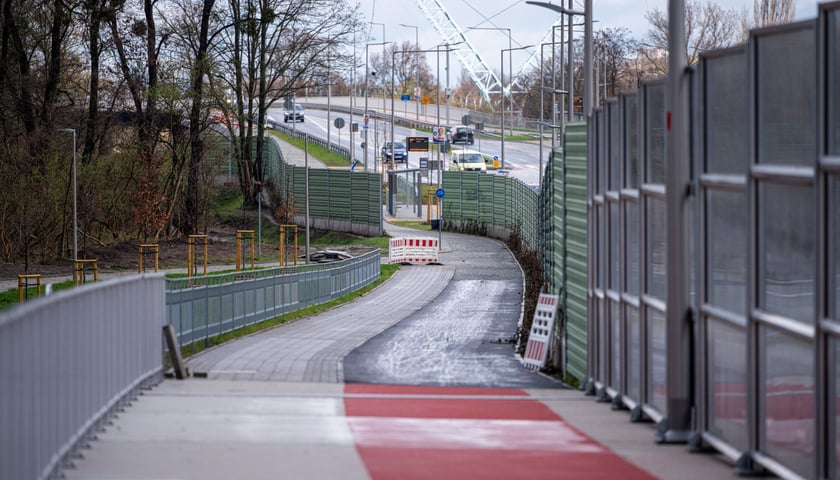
(172,254)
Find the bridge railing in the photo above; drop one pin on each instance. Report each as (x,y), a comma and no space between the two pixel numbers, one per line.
(67,360)
(203,307)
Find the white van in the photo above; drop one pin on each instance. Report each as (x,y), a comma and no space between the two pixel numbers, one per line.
(467,161)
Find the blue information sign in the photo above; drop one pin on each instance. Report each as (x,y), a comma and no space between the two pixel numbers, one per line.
(405,97)
(439,193)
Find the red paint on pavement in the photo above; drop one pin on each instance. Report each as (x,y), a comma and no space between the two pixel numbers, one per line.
(414,436)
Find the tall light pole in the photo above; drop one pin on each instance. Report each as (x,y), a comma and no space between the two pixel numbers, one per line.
(587,49)
(383,56)
(416,70)
(365,124)
(502,58)
(393,56)
(446,91)
(75,217)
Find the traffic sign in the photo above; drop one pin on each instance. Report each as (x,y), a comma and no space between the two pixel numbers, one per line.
(339,123)
(439,193)
(416,93)
(405,97)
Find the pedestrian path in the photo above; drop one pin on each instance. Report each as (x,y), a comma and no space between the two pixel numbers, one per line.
(206,430)
(312,350)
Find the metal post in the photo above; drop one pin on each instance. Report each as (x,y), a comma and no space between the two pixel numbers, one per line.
(367,75)
(352,94)
(75,210)
(416,68)
(571,86)
(329,95)
(587,58)
(306,169)
(676,427)
(503,98)
(502,89)
(364,124)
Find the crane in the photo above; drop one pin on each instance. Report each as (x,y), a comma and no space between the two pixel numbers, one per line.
(482,75)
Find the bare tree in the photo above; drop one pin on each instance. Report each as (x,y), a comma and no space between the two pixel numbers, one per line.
(273,50)
(614,48)
(707,26)
(773,12)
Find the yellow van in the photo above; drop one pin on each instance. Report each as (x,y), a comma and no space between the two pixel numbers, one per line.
(467,161)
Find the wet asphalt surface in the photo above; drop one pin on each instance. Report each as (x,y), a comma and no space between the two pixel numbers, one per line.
(464,336)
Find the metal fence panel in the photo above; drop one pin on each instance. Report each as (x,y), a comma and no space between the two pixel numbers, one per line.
(783,224)
(203,307)
(66,360)
(575,158)
(722,163)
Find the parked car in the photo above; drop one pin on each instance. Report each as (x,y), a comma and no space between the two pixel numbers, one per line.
(467,161)
(400,154)
(461,134)
(270,122)
(294,114)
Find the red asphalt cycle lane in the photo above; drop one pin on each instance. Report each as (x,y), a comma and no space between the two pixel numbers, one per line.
(443,433)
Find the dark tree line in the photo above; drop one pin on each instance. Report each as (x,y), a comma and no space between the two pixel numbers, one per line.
(134,83)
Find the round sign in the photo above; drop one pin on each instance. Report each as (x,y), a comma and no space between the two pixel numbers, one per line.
(439,193)
(363,145)
(466,120)
(339,123)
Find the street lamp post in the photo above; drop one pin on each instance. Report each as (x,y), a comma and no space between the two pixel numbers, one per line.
(75,217)
(393,56)
(502,62)
(383,56)
(587,49)
(416,69)
(365,123)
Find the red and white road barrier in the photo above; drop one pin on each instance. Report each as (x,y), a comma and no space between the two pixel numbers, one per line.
(414,250)
(536,350)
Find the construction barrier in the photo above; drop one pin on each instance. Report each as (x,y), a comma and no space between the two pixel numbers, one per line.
(543,324)
(414,250)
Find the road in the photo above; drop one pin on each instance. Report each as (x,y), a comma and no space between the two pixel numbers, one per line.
(522,159)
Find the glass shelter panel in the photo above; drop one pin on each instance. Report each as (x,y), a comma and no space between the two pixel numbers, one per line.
(835,367)
(615,345)
(834,244)
(615,155)
(787,251)
(631,141)
(727,394)
(726,125)
(657,360)
(655,135)
(614,244)
(787,400)
(786,95)
(634,351)
(832,80)
(656,248)
(726,237)
(632,252)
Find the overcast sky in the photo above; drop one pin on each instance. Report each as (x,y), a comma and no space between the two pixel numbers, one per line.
(528,23)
